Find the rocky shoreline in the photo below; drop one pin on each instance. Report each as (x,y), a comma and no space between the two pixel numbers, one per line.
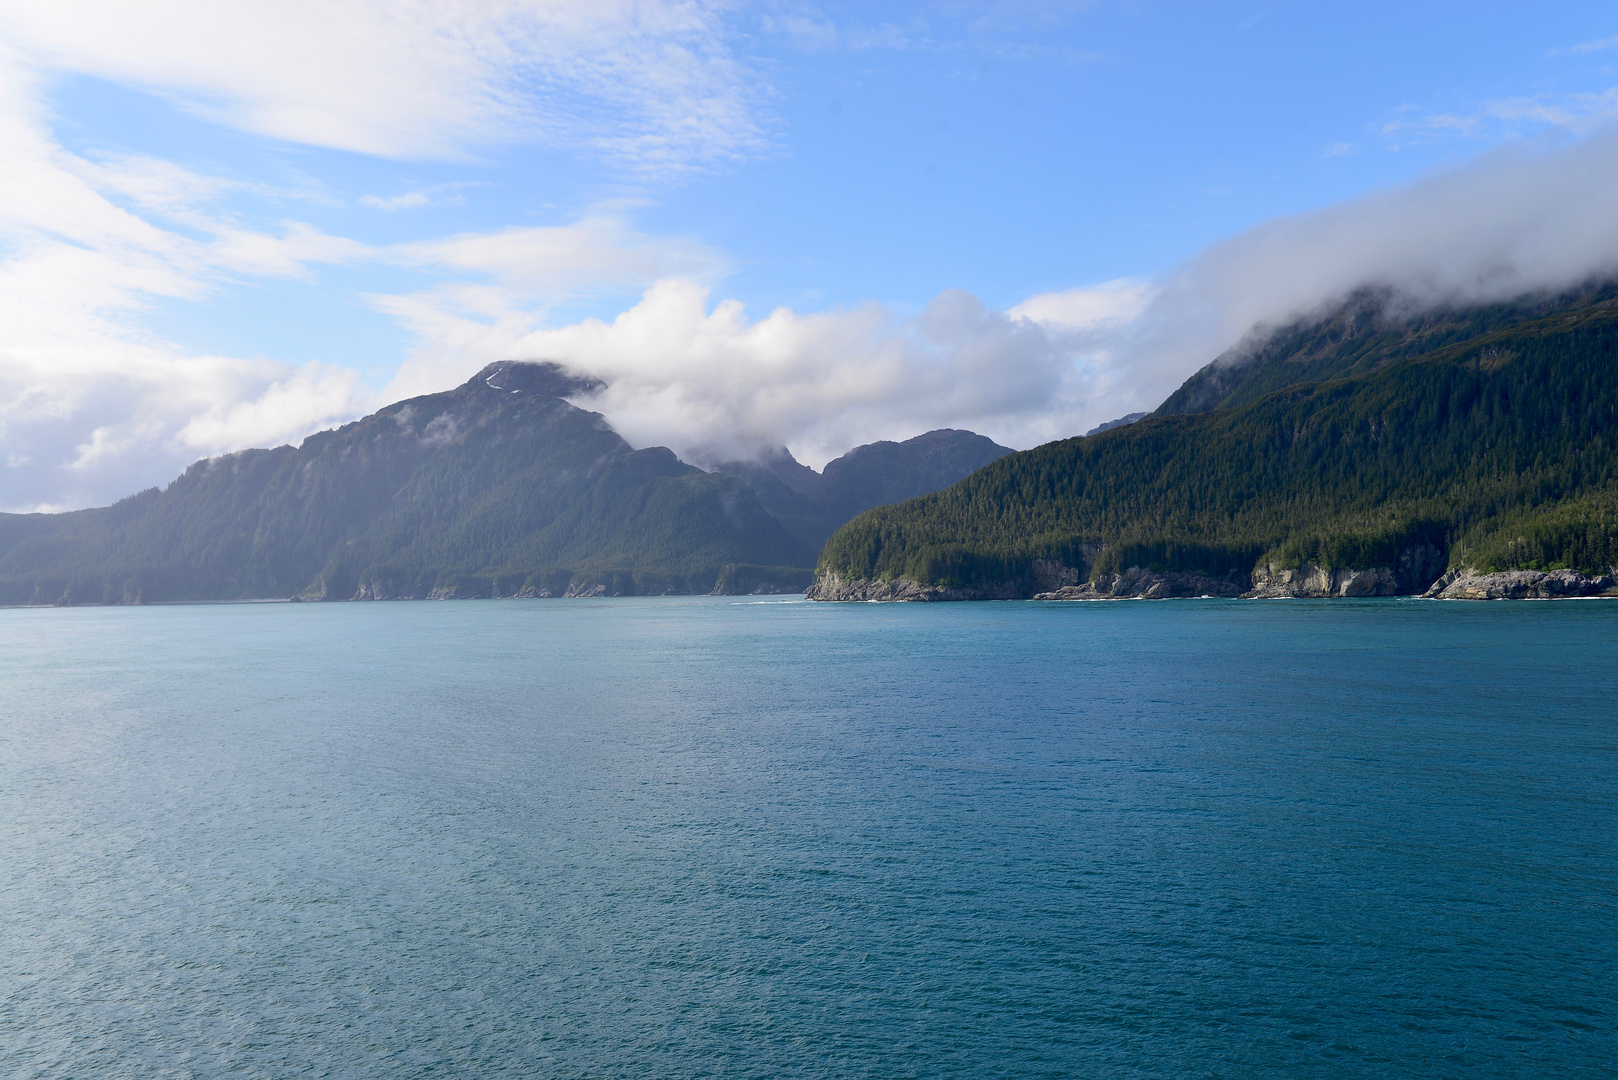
(1138,584)
(1521,585)
(1305,582)
(834,587)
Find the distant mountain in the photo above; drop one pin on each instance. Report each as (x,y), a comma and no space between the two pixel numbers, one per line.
(498,487)
(879,472)
(1367,451)
(1122,421)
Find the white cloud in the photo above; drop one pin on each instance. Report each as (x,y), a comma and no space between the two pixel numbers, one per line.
(410,200)
(714,384)
(1110,302)
(281,410)
(648,81)
(463,325)
(450,194)
(1515,220)
(91,405)
(709,381)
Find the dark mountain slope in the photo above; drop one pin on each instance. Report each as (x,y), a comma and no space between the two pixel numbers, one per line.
(496,487)
(888,472)
(1483,438)
(499,477)
(867,476)
(1370,330)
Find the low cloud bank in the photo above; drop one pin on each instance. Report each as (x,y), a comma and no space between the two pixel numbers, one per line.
(710,382)
(716,385)
(1520,219)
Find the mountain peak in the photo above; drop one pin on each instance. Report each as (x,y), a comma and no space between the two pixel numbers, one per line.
(543,377)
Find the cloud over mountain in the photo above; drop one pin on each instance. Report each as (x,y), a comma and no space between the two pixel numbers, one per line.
(707,379)
(95,402)
(1518,219)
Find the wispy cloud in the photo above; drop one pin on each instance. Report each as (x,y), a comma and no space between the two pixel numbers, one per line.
(450,194)
(1009,29)
(650,82)
(410,200)
(1253,20)
(1584,47)
(598,251)
(1505,117)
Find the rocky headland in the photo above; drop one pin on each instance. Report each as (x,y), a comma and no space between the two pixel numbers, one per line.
(1521,585)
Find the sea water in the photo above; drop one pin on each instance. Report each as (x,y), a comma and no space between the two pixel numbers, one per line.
(738,837)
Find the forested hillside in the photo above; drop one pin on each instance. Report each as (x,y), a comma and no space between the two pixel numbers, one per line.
(1486,434)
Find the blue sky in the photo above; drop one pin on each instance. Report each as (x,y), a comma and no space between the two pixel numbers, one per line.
(798,223)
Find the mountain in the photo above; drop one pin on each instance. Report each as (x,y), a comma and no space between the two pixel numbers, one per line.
(497,487)
(1368,451)
(1122,421)
(879,472)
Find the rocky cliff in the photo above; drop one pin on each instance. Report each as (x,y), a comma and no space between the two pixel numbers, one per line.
(1522,585)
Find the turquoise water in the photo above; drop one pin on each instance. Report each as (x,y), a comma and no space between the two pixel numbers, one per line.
(724,838)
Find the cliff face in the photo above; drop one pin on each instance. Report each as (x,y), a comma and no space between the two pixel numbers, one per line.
(1311,580)
(1416,567)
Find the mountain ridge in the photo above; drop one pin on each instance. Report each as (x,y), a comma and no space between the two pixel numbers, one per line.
(495,487)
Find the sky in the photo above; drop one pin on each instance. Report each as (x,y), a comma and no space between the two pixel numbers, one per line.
(762,224)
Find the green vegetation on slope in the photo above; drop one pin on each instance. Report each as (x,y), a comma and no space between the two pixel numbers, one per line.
(1490,431)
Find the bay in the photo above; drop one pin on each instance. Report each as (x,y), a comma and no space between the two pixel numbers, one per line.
(746,837)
